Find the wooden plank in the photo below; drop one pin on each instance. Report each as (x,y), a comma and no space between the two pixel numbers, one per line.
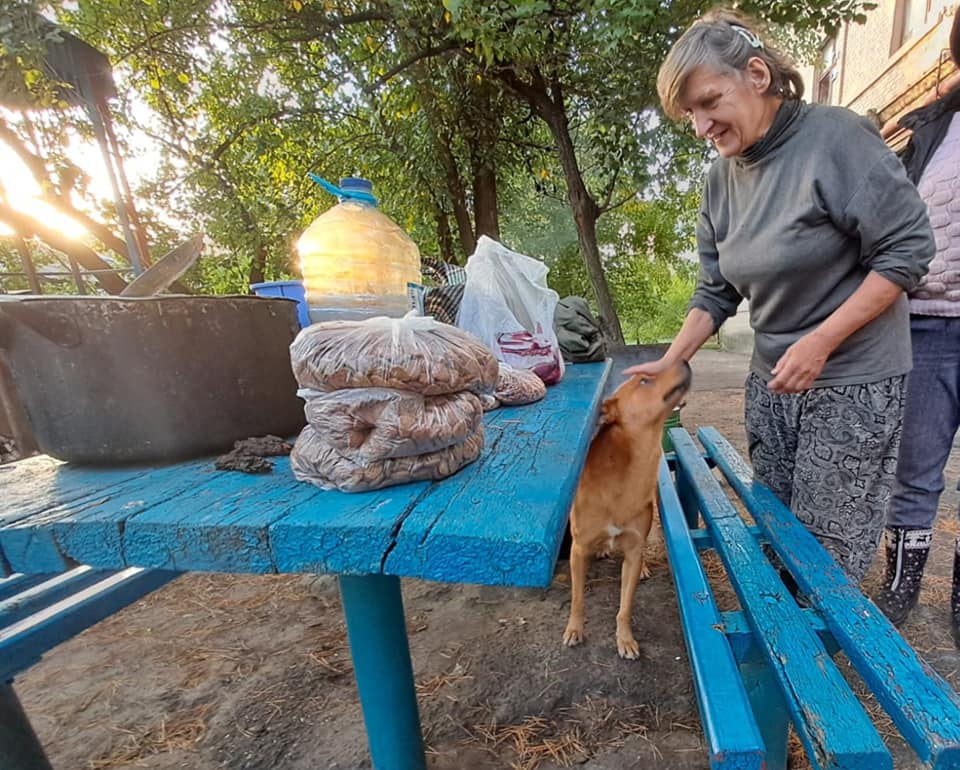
(82,519)
(220,525)
(17,582)
(500,521)
(733,739)
(347,534)
(47,592)
(37,484)
(830,721)
(922,705)
(22,644)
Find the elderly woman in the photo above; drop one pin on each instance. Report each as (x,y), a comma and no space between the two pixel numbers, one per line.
(810,217)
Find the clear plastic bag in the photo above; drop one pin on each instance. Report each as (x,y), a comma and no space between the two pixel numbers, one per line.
(411,353)
(377,423)
(507,304)
(489,402)
(315,461)
(518,386)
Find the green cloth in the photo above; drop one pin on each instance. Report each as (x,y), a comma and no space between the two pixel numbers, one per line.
(578,332)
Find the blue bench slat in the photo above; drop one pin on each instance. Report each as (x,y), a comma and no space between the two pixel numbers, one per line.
(49,591)
(703,540)
(924,707)
(745,647)
(17,582)
(733,738)
(830,721)
(23,643)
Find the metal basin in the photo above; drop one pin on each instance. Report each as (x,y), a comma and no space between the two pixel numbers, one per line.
(111,380)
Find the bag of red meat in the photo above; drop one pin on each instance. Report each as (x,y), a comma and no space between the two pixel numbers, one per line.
(533,352)
(518,386)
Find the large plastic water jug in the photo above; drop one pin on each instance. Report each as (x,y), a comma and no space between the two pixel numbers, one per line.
(356,261)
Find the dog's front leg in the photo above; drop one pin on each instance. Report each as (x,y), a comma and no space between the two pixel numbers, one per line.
(579,561)
(633,566)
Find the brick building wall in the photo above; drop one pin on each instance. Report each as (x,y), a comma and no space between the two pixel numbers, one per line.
(893,61)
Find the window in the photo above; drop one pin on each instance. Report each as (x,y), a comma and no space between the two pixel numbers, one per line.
(825,89)
(826,72)
(910,17)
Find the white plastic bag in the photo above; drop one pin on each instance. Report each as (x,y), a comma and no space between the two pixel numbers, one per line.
(506,303)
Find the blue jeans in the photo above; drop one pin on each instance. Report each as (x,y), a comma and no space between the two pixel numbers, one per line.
(930,421)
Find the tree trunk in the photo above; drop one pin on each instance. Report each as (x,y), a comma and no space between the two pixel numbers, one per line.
(445,237)
(485,199)
(550,107)
(443,146)
(458,197)
(483,133)
(28,227)
(258,268)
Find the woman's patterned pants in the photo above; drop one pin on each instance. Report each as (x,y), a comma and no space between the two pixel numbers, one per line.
(830,454)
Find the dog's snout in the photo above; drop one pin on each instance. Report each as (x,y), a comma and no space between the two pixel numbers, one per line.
(682,386)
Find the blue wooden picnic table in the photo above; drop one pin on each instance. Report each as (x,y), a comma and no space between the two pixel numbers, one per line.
(500,521)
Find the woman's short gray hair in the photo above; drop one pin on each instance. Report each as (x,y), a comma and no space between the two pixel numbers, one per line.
(723,41)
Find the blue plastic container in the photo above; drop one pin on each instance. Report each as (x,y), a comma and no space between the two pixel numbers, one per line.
(290,290)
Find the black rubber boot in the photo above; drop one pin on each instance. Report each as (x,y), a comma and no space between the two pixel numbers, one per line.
(955,597)
(907,551)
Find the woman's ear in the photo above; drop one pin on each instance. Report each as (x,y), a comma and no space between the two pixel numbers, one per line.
(757,73)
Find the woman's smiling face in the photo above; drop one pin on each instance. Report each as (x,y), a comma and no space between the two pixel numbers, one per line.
(731,111)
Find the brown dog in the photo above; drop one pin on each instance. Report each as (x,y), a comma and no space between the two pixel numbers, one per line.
(613,507)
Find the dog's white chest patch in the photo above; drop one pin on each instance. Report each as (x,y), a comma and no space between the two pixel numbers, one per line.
(613,532)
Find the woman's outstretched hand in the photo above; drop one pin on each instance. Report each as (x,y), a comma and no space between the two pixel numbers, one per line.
(650,368)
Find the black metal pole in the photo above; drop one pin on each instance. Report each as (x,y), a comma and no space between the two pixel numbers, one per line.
(20,748)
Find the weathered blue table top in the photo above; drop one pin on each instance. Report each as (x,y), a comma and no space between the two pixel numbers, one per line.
(499,521)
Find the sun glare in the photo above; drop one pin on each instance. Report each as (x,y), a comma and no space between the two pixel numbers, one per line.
(23,194)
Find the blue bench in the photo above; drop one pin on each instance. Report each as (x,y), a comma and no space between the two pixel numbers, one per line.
(758,669)
(38,612)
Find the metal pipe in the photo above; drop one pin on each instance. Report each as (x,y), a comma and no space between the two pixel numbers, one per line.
(373,607)
(133,251)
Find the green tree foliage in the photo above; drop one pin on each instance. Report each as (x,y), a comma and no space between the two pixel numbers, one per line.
(533,120)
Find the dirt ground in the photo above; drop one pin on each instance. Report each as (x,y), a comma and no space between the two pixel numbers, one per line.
(238,672)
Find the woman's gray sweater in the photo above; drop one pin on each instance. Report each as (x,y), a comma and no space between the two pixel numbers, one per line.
(795,224)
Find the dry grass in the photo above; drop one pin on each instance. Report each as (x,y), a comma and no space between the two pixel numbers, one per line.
(578,733)
(177,732)
(433,685)
(329,651)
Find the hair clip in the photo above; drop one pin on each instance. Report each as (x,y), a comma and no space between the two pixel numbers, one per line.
(746,34)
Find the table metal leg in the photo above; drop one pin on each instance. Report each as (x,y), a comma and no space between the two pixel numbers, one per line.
(373,606)
(19,747)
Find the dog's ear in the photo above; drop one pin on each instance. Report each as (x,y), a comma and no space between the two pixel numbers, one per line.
(609,412)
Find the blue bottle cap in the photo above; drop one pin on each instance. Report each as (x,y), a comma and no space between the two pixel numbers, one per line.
(356,184)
